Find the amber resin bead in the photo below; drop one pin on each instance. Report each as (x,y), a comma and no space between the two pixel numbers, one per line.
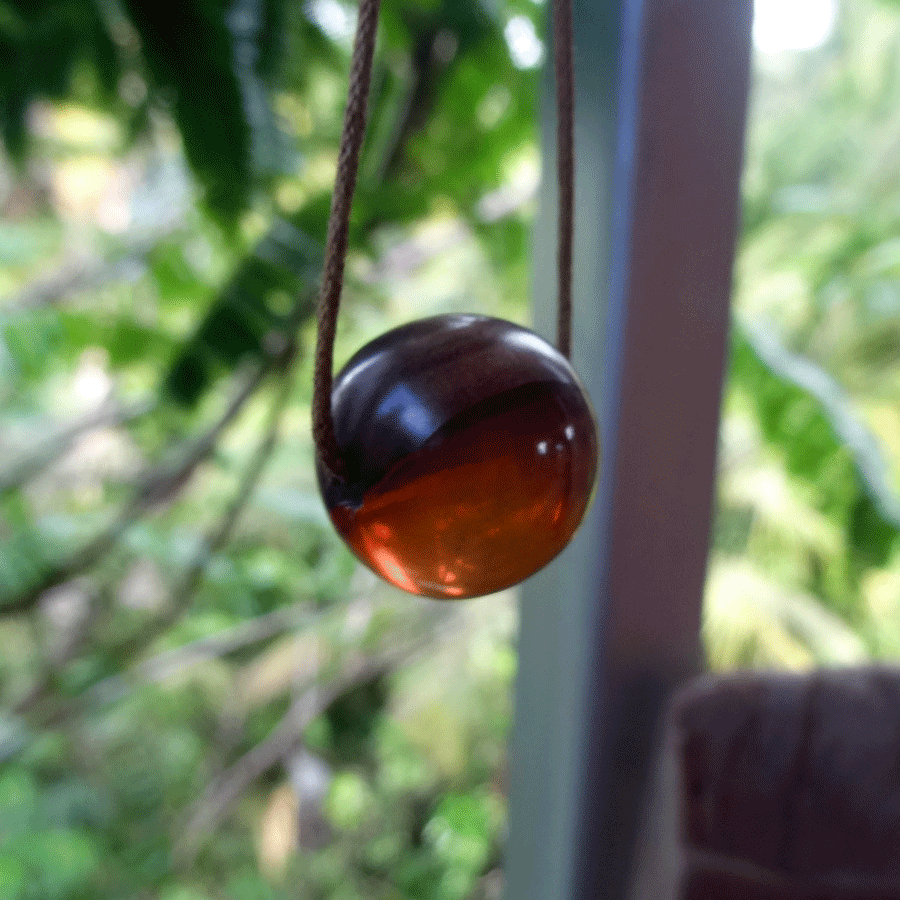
(470,454)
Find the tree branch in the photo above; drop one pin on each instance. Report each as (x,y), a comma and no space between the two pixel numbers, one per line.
(155,487)
(192,578)
(32,463)
(171,662)
(75,640)
(211,810)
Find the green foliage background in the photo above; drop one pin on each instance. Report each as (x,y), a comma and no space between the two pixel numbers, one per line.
(804,569)
(202,696)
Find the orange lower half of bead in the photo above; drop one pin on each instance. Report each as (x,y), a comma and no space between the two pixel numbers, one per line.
(482,507)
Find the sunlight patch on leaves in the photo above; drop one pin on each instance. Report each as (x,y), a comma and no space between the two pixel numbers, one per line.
(751,620)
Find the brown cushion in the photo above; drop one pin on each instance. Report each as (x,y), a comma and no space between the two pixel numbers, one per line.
(790,785)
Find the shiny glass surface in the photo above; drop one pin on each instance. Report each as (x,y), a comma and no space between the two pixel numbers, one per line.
(478,480)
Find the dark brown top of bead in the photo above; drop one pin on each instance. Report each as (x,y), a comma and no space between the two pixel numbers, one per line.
(403,387)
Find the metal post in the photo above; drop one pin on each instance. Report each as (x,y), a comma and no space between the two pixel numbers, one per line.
(558,603)
(609,629)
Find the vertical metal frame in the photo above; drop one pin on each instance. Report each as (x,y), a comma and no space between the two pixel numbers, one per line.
(613,625)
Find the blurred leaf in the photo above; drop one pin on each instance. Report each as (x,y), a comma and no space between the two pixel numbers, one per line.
(125,338)
(205,64)
(43,45)
(251,887)
(31,341)
(349,799)
(24,551)
(808,417)
(12,878)
(751,620)
(461,833)
(776,500)
(183,893)
(18,803)
(247,310)
(56,862)
(73,803)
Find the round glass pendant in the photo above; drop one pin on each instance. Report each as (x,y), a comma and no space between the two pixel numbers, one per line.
(470,453)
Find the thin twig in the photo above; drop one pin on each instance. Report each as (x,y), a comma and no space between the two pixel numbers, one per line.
(33,462)
(283,358)
(79,635)
(115,687)
(419,95)
(216,646)
(170,663)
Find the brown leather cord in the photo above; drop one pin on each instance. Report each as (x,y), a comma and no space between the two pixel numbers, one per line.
(565,168)
(352,138)
(338,227)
